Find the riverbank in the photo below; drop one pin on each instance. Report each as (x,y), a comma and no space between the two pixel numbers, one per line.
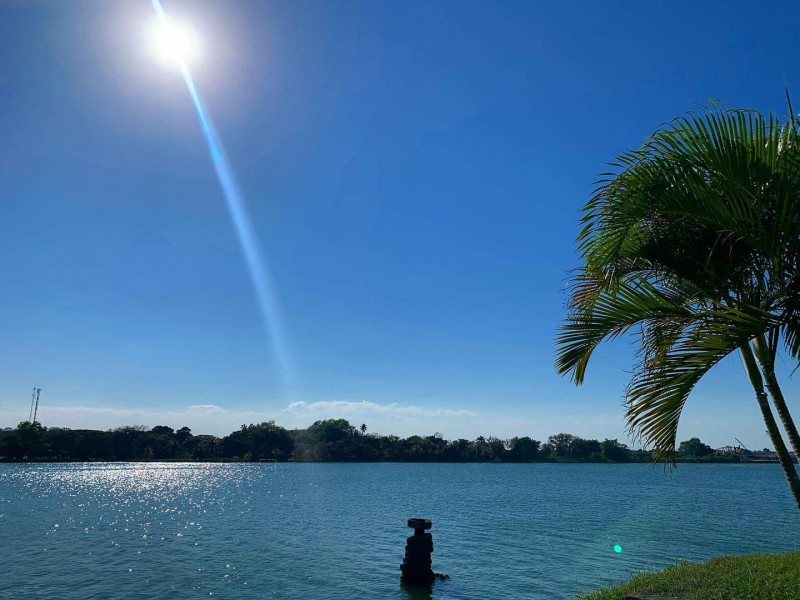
(748,577)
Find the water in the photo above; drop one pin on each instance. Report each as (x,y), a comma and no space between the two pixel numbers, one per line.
(319,531)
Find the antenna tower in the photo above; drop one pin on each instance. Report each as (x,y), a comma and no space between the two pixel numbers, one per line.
(35,402)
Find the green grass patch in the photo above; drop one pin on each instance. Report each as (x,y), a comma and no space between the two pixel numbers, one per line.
(748,577)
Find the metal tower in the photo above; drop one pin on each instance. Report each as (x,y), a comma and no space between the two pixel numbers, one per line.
(34,404)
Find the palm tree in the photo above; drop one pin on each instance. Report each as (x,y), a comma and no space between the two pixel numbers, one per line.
(694,243)
(363,428)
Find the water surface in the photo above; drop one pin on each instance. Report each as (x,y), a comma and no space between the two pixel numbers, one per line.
(308,531)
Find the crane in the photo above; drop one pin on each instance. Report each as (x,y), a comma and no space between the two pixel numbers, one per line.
(742,449)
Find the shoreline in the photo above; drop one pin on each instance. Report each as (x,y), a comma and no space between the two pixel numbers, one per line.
(744,577)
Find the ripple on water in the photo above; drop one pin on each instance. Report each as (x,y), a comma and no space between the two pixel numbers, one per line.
(337,530)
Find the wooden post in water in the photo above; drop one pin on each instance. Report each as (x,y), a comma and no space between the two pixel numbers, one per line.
(416,567)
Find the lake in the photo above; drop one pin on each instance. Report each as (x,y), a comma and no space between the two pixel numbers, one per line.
(189,530)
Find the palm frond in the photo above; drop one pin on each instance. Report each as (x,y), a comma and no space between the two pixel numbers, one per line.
(602,312)
(692,242)
(662,382)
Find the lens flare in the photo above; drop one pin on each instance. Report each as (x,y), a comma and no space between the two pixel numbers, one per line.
(617,548)
(174,43)
(248,240)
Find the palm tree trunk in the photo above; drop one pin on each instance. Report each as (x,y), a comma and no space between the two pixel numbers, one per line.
(751,368)
(767,362)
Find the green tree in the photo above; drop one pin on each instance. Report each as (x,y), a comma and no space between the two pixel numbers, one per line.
(459,450)
(264,441)
(694,448)
(306,446)
(11,446)
(483,449)
(523,449)
(613,451)
(560,444)
(203,447)
(693,243)
(128,442)
(270,441)
(183,434)
(31,438)
(332,430)
(582,449)
(546,452)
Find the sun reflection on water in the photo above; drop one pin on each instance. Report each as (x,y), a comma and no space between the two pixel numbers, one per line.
(128,511)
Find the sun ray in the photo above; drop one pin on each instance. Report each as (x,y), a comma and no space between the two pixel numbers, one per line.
(178,50)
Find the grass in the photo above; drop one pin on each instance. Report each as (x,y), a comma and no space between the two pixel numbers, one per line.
(748,577)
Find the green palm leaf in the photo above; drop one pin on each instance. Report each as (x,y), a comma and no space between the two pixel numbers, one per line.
(692,244)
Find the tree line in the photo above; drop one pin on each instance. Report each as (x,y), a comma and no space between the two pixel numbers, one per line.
(328,440)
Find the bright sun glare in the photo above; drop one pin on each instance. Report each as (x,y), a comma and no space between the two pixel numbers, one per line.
(174,43)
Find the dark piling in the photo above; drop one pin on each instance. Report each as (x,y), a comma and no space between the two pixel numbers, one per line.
(416,568)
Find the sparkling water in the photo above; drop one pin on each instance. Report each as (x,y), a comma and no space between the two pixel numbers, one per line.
(308,531)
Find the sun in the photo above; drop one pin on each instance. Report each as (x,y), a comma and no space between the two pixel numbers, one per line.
(173,43)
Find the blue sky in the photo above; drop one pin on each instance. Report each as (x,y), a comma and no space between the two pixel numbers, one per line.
(414,172)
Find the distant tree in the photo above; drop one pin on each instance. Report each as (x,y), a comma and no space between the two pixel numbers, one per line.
(523,449)
(581,449)
(389,448)
(363,428)
(129,441)
(414,448)
(306,447)
(202,447)
(613,451)
(331,430)
(31,437)
(327,440)
(78,444)
(63,444)
(93,445)
(481,449)
(161,447)
(11,446)
(546,452)
(560,443)
(497,449)
(236,443)
(264,441)
(459,450)
(694,448)
(270,441)
(183,434)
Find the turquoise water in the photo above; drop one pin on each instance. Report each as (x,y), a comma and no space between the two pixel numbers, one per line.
(136,531)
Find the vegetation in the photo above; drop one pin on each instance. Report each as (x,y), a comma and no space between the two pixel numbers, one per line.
(327,440)
(693,244)
(751,577)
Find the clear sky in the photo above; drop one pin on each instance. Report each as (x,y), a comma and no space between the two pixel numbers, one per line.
(414,172)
